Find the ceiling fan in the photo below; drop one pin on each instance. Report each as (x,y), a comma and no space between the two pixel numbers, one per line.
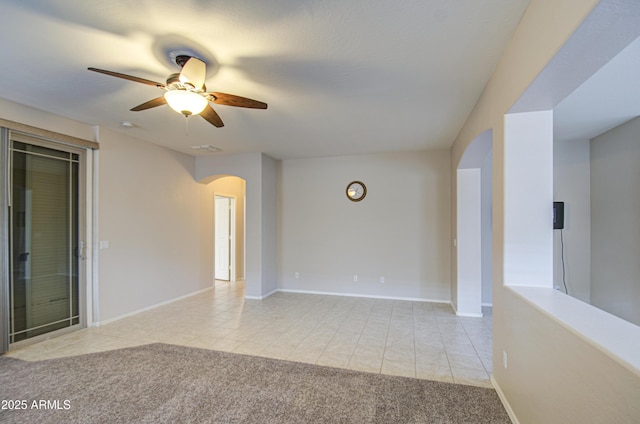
(186,93)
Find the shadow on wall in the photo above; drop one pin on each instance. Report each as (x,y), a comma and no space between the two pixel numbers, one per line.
(615,208)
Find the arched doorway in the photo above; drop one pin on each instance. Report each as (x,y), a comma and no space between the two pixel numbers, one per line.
(229,195)
(261,176)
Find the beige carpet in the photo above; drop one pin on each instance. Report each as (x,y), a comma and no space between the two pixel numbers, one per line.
(162,383)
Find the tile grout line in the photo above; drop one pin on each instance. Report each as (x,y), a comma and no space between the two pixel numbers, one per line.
(358,341)
(334,336)
(276,315)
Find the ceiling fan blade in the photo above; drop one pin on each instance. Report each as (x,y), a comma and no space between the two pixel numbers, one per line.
(194,72)
(128,77)
(231,100)
(210,115)
(159,101)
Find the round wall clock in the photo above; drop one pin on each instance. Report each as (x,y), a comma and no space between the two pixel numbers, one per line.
(356,190)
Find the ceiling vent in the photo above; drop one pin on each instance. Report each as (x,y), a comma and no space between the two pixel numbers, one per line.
(206,148)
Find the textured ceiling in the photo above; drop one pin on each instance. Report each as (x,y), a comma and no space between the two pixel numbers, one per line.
(340,77)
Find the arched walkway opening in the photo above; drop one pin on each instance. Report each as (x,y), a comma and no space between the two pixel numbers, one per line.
(259,172)
(228,236)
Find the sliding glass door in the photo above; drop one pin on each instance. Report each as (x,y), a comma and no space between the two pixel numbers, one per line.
(44,238)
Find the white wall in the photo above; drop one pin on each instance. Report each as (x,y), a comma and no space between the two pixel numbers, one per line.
(528,199)
(45,120)
(400,231)
(269,224)
(150,211)
(468,301)
(556,373)
(571,184)
(477,156)
(486,224)
(615,221)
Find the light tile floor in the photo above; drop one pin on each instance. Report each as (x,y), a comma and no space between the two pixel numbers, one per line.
(414,339)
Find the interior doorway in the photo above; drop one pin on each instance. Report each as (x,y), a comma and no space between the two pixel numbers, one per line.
(225,240)
(228,228)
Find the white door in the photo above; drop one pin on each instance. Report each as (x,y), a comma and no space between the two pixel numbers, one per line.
(222,238)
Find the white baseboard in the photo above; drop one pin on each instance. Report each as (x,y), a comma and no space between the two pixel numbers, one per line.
(148,308)
(469,314)
(413,299)
(237,280)
(465,314)
(505,402)
(261,297)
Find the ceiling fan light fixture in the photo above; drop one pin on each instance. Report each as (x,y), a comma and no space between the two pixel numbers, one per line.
(185,102)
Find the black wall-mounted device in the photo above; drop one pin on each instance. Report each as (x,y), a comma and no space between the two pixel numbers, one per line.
(558,215)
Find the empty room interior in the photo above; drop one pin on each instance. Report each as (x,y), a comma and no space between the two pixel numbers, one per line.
(434,190)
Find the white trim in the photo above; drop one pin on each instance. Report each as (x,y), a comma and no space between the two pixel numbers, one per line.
(41,133)
(465,314)
(43,337)
(413,299)
(90,232)
(505,402)
(148,308)
(93,294)
(233,272)
(261,297)
(469,314)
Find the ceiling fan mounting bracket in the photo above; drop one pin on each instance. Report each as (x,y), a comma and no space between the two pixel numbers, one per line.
(182,59)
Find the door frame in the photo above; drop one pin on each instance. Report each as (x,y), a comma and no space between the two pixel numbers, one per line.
(232,233)
(86,201)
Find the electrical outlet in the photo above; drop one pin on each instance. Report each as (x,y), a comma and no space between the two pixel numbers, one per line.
(355,277)
(504,359)
(297,275)
(381,280)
